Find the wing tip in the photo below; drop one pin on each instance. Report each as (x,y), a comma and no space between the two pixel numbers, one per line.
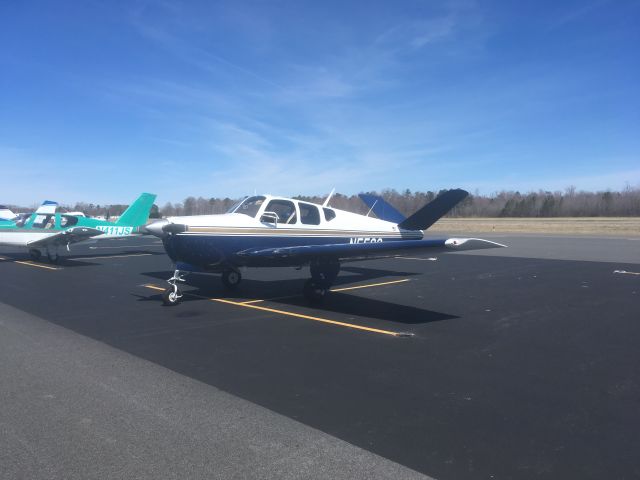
(472,244)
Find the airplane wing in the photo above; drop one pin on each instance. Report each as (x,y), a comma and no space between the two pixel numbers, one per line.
(70,235)
(354,251)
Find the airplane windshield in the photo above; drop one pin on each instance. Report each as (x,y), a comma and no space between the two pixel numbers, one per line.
(68,221)
(250,206)
(235,205)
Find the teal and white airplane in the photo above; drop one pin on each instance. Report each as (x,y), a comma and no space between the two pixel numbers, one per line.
(6,214)
(46,230)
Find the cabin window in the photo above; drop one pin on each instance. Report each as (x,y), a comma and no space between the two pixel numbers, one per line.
(309,214)
(44,221)
(250,206)
(22,219)
(329,214)
(285,210)
(68,221)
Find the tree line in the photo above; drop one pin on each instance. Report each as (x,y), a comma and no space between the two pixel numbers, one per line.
(567,203)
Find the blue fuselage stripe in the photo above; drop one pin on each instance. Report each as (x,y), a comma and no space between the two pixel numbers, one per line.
(211,250)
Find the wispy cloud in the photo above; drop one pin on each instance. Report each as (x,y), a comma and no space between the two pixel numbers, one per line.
(224,97)
(186,51)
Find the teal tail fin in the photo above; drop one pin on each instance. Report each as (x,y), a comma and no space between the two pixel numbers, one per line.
(138,212)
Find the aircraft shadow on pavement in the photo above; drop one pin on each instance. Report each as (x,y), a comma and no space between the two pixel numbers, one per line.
(289,292)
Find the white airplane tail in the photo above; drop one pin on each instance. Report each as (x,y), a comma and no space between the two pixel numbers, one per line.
(6,214)
(47,207)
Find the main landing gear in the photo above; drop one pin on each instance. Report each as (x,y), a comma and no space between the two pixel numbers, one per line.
(52,255)
(323,274)
(173,294)
(231,278)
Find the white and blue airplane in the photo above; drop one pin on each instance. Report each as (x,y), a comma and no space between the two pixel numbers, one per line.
(270,231)
(6,213)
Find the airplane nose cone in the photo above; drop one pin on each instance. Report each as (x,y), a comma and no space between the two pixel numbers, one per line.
(155,228)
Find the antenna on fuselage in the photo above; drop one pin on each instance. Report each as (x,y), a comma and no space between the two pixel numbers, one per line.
(326,202)
(374,204)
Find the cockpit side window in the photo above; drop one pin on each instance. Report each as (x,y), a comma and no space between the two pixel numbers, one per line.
(309,214)
(44,221)
(250,206)
(329,214)
(68,221)
(22,219)
(285,210)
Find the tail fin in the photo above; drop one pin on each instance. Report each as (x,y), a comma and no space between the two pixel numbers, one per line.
(382,209)
(434,210)
(138,212)
(47,207)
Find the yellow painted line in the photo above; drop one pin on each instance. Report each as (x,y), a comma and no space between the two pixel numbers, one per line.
(79,259)
(424,259)
(369,285)
(155,288)
(333,290)
(298,315)
(36,265)
(127,246)
(309,317)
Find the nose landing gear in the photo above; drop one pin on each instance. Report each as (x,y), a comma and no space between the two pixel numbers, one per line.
(172,295)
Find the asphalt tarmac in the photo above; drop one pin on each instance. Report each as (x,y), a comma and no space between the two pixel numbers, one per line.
(512,363)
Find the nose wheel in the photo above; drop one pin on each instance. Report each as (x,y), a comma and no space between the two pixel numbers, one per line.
(171,296)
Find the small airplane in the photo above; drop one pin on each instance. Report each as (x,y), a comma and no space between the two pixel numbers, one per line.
(269,231)
(10,219)
(47,230)
(6,213)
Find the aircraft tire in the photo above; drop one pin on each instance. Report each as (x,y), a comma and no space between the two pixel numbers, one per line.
(231,279)
(35,254)
(171,297)
(313,292)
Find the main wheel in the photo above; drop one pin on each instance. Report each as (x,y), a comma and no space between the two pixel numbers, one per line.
(313,292)
(53,257)
(35,254)
(171,296)
(231,278)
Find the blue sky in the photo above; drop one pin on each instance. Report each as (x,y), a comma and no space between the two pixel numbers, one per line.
(100,100)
